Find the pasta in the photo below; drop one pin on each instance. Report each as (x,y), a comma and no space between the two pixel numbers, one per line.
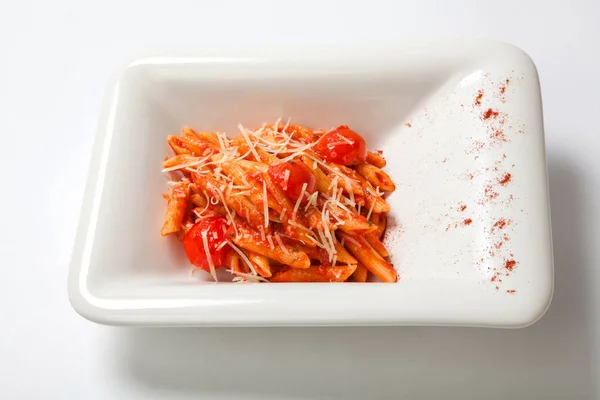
(280,203)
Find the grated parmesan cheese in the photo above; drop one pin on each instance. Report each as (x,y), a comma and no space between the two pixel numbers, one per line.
(186,165)
(370,210)
(262,232)
(353,241)
(280,242)
(243,257)
(304,186)
(270,240)
(254,278)
(286,178)
(250,144)
(209,256)
(265,204)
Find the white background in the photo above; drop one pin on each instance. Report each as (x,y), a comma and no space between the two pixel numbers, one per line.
(55,60)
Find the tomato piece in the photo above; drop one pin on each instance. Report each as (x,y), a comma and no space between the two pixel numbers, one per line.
(215,229)
(342,146)
(290,176)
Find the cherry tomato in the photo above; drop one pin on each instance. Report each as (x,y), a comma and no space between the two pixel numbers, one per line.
(215,229)
(299,174)
(342,146)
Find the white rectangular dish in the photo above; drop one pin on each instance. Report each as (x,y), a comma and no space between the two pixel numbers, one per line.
(459,123)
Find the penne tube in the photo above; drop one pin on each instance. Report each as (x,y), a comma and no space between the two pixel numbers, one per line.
(346,178)
(323,182)
(315,274)
(381,221)
(239,203)
(233,262)
(198,200)
(260,263)
(180,159)
(376,244)
(208,139)
(244,148)
(376,177)
(343,257)
(176,209)
(360,274)
(182,145)
(252,166)
(364,253)
(375,159)
(250,240)
(284,203)
(355,223)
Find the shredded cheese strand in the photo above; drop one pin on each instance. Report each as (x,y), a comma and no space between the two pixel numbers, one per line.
(270,240)
(209,256)
(280,242)
(248,276)
(370,210)
(243,257)
(250,144)
(304,186)
(265,204)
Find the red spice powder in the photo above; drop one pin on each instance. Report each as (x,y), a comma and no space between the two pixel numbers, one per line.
(478,98)
(467,221)
(490,193)
(500,224)
(408,124)
(510,264)
(494,278)
(505,179)
(499,135)
(490,113)
(498,245)
(502,89)
(511,291)
(462,207)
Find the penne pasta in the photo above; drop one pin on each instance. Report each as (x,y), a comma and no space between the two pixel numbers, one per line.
(260,263)
(251,241)
(360,274)
(376,159)
(365,254)
(232,260)
(176,209)
(280,203)
(376,177)
(374,242)
(380,220)
(315,274)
